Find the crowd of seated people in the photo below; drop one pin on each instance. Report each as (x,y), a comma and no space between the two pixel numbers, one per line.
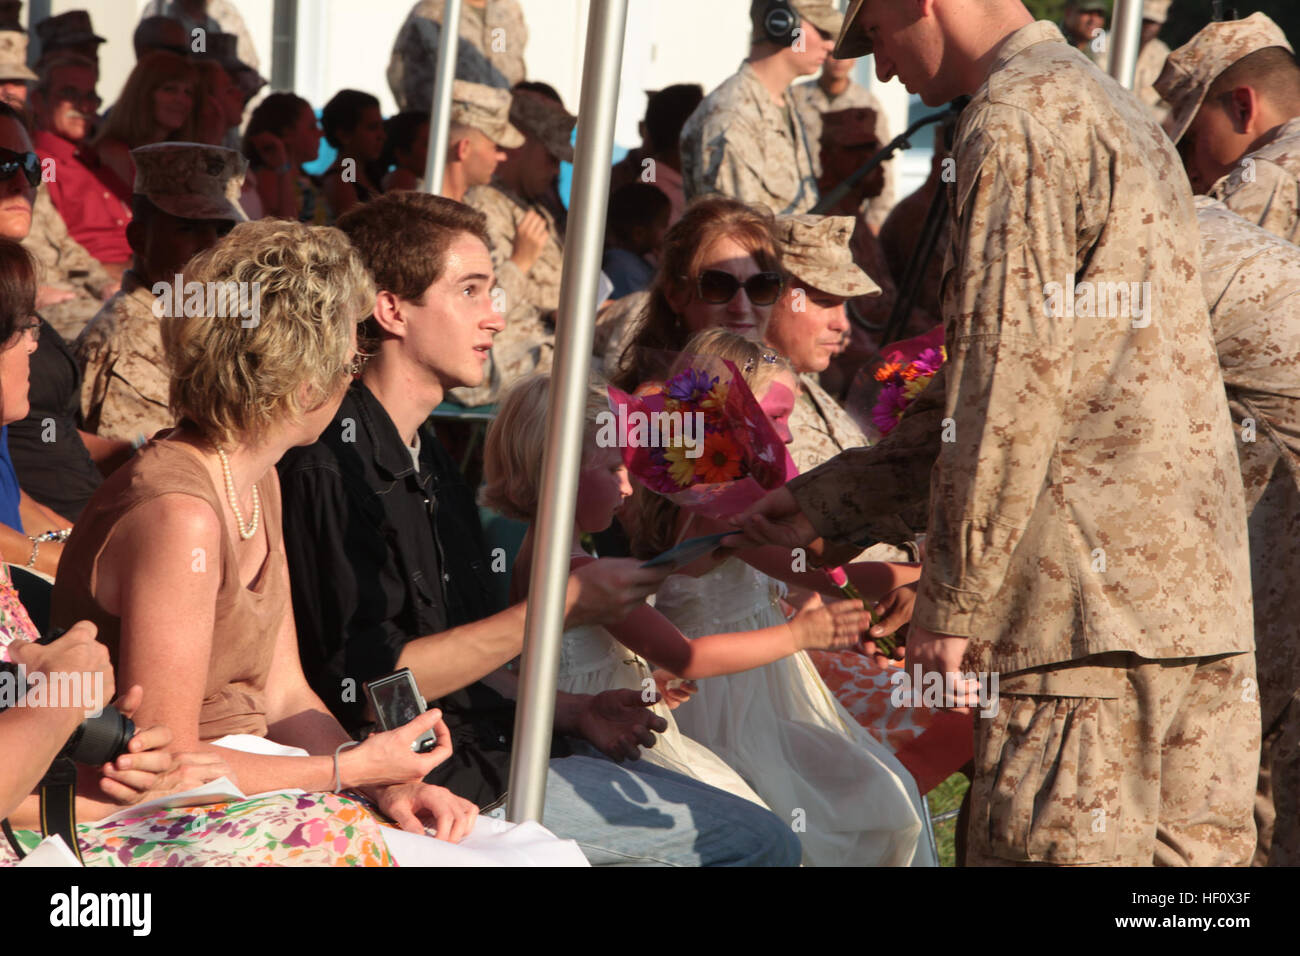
(271,485)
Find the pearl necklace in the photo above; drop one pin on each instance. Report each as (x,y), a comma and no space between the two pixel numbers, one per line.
(244,534)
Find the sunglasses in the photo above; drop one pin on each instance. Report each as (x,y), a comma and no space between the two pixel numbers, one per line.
(28,163)
(718,288)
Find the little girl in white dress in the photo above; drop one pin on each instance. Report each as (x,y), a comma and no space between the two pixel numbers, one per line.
(849,799)
(762,724)
(593,659)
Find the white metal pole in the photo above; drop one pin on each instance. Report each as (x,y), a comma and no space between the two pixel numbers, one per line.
(440,112)
(1126,37)
(583,245)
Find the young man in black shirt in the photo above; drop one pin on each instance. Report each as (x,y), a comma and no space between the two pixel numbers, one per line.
(389,569)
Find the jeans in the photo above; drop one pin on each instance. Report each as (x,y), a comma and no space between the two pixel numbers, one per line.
(641,815)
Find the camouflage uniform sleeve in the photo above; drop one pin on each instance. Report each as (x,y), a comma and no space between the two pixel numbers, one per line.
(1009,364)
(122,395)
(861,493)
(500,215)
(509,59)
(1264,193)
(726,141)
(62,256)
(410,65)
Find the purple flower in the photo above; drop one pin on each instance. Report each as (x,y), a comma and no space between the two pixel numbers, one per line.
(928,361)
(889,405)
(690,385)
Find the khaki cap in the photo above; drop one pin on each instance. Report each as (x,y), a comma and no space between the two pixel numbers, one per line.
(13,57)
(815,250)
(820,13)
(67,29)
(1192,69)
(1099,6)
(486,109)
(1157,11)
(853,41)
(855,126)
(544,119)
(191,180)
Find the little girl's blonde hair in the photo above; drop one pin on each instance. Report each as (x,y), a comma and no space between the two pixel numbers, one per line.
(516,441)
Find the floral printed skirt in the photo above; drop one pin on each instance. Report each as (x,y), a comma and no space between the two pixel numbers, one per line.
(931,744)
(310,829)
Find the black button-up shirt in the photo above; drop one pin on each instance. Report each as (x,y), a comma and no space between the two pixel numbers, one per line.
(379,555)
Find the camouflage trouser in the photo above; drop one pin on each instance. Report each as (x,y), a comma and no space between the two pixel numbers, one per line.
(1118,760)
(1277,802)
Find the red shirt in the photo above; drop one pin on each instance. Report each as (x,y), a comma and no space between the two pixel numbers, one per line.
(95,217)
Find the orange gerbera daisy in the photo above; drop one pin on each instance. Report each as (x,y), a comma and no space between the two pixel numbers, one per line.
(887,370)
(721,459)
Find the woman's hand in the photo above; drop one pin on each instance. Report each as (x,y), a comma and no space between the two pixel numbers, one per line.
(149,770)
(831,627)
(386,758)
(673,691)
(417,806)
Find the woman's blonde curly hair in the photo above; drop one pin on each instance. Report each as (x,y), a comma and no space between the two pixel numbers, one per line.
(232,382)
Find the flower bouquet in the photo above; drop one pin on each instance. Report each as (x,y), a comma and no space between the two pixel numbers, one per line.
(901,381)
(701,440)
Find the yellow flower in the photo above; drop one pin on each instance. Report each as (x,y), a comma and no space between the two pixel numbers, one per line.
(680,468)
(716,400)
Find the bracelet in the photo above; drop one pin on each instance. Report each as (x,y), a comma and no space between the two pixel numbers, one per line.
(40,539)
(138,442)
(338,782)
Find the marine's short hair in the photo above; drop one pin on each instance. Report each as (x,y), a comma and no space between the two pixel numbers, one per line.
(1273,72)
(233,378)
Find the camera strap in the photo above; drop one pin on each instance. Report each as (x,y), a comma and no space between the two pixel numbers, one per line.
(58,808)
(58,804)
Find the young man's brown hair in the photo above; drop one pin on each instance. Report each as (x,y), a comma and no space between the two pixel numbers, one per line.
(403,238)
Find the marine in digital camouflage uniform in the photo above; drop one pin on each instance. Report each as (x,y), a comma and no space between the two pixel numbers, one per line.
(740,143)
(529,298)
(812,101)
(491,49)
(815,253)
(67,266)
(1252,286)
(1264,184)
(1089,550)
(1151,59)
(848,138)
(126,383)
(220,16)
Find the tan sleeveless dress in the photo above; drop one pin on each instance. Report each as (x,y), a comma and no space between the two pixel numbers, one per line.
(247,619)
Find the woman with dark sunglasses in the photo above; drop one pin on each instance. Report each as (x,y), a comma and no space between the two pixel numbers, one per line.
(720,268)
